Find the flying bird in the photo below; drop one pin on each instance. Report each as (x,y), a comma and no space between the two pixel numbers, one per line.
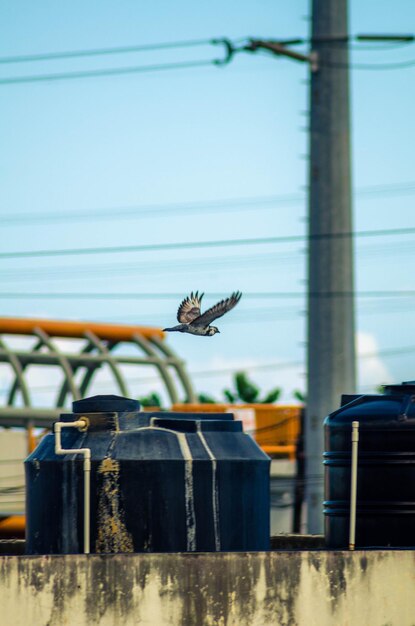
(195,323)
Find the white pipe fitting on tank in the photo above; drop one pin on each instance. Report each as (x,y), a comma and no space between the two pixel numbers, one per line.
(82,425)
(353,485)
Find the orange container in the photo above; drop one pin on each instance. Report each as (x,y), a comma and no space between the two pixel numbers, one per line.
(275,427)
(13,527)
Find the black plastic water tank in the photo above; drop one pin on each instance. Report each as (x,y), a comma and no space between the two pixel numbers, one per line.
(385,513)
(160,482)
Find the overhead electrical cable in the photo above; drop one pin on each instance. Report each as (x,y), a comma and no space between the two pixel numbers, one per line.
(372,66)
(229,48)
(152,267)
(155,210)
(109,295)
(365,307)
(226,204)
(115,71)
(269,261)
(386,41)
(410,230)
(70,54)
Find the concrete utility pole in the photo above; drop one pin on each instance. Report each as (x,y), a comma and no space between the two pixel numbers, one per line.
(331,330)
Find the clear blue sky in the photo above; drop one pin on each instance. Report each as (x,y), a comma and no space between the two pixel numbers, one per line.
(199,136)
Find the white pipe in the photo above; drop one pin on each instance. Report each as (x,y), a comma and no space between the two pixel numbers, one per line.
(353,485)
(82,425)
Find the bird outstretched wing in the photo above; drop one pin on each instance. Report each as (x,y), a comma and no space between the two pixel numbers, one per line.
(189,309)
(218,310)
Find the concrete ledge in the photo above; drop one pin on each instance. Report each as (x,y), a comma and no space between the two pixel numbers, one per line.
(277,542)
(12,546)
(286,541)
(371,588)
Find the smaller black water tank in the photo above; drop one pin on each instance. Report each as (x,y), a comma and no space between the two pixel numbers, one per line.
(385,514)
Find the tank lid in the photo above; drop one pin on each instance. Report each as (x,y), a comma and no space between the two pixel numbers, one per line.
(105,404)
(405,387)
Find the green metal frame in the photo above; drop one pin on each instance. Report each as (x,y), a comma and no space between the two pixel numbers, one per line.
(95,353)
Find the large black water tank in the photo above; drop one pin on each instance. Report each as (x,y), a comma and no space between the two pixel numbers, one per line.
(160,482)
(385,514)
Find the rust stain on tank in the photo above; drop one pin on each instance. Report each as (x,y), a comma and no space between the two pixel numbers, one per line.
(113,535)
(108,465)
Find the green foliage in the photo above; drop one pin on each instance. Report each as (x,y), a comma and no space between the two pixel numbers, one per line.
(272,396)
(229,396)
(153,399)
(300,396)
(205,399)
(248,392)
(245,391)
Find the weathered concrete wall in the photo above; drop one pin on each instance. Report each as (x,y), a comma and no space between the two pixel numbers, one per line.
(370,588)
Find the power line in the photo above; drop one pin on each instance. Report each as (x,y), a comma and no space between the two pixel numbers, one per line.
(148,247)
(229,204)
(204,244)
(390,352)
(168,296)
(116,71)
(271,315)
(69,54)
(287,313)
(155,210)
(147,267)
(408,38)
(387,41)
(317,54)
(382,47)
(372,66)
(199,264)
(268,314)
(229,46)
